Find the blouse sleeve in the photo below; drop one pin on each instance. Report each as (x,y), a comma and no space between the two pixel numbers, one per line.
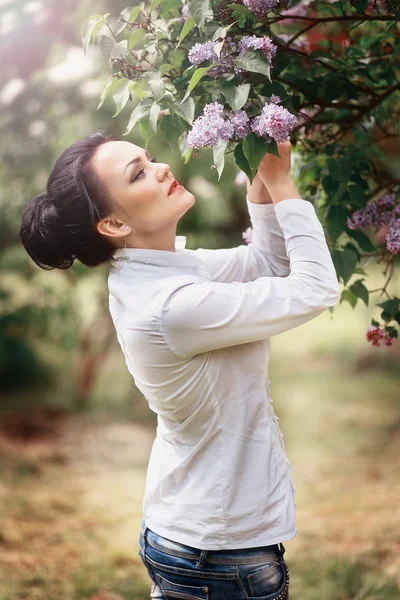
(264,256)
(203,315)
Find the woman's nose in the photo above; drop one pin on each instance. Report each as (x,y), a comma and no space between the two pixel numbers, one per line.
(165,169)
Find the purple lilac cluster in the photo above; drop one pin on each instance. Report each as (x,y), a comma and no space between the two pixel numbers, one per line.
(383,211)
(205,51)
(258,43)
(393,236)
(378,336)
(225,63)
(274,121)
(262,7)
(211,127)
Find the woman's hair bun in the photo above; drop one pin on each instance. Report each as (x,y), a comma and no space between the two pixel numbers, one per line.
(61,225)
(44,235)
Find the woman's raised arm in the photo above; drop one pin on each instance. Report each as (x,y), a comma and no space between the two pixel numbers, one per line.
(206,315)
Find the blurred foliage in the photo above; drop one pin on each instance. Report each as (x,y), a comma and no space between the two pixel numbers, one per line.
(48,97)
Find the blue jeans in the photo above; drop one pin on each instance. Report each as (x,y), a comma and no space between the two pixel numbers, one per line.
(180,572)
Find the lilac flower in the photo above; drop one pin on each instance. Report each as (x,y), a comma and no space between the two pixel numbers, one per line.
(201,52)
(258,43)
(378,213)
(248,235)
(208,129)
(275,121)
(262,7)
(241,122)
(393,236)
(205,51)
(185,13)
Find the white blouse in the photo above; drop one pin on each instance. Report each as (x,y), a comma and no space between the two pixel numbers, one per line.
(195,328)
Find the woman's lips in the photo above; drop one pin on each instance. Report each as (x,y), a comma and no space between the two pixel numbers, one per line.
(175,189)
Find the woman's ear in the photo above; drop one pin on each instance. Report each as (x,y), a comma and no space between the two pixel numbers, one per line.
(112,228)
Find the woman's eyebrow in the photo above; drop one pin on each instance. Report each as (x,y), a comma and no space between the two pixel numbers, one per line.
(136,160)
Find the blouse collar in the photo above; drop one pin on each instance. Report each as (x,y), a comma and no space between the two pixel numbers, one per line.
(151,263)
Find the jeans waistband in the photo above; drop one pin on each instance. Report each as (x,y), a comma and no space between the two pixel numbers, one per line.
(233,556)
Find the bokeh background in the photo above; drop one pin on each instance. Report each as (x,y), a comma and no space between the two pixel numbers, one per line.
(75,433)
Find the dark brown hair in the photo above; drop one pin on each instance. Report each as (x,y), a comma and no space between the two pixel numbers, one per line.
(59,225)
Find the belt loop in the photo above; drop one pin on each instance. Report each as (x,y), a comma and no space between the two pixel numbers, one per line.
(282,549)
(202,559)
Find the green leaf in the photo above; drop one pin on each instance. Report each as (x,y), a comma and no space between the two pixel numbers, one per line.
(121,93)
(184,147)
(154,112)
(349,296)
(108,88)
(254,61)
(119,50)
(90,28)
(345,262)
(200,11)
(154,4)
(185,110)
(158,88)
(196,77)
(346,166)
(106,46)
(392,332)
(221,32)
(349,260)
(386,316)
(171,128)
(242,161)
(140,111)
(335,170)
(361,6)
(130,14)
(391,306)
(236,96)
(136,37)
(352,247)
(242,10)
(164,69)
(359,289)
(357,195)
(362,240)
(168,5)
(254,149)
(336,220)
(219,156)
(187,27)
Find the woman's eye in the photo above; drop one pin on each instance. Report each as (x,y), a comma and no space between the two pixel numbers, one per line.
(138,176)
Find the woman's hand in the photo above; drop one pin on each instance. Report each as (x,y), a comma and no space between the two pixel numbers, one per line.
(257,192)
(273,170)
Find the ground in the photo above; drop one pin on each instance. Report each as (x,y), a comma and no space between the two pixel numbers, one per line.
(71,497)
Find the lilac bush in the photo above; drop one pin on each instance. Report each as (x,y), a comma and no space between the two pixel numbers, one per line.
(239,76)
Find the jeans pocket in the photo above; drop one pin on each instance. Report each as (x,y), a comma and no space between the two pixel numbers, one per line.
(177,591)
(269,581)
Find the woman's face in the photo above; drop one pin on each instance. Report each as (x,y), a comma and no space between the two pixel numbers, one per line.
(140,189)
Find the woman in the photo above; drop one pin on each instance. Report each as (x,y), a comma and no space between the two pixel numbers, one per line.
(195,328)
